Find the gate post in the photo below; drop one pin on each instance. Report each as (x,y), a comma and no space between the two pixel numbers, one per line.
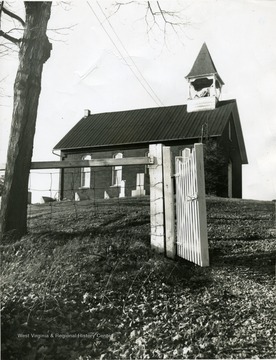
(156,198)
(169,203)
(202,205)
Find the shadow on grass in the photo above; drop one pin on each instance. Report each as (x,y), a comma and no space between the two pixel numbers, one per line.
(258,266)
(109,228)
(189,275)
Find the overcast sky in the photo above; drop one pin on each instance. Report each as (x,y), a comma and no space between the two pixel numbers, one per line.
(108,63)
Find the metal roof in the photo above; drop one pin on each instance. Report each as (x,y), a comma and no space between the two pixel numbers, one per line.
(203,65)
(160,124)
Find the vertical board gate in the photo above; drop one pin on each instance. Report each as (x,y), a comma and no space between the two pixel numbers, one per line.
(192,241)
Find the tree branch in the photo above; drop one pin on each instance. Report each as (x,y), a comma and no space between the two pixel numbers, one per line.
(14,16)
(10,38)
(150,8)
(1,9)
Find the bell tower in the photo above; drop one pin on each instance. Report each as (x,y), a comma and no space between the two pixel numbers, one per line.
(204,83)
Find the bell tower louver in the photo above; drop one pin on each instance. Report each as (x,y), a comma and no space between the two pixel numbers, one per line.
(204,83)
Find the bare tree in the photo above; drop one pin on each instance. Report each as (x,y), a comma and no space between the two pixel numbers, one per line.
(34,51)
(159,17)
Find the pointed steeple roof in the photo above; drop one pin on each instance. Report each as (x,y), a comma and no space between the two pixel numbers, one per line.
(203,65)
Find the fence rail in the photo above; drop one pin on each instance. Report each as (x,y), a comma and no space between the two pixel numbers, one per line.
(191,212)
(88,163)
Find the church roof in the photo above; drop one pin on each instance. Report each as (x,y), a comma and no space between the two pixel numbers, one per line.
(144,126)
(203,65)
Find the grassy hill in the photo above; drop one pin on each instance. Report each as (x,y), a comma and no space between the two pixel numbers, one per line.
(84,284)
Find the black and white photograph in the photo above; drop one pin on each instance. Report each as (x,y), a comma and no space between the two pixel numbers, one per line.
(137,179)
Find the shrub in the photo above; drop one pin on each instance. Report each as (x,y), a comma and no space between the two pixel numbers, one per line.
(215,165)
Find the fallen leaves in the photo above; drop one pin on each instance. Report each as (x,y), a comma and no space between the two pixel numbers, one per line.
(102,293)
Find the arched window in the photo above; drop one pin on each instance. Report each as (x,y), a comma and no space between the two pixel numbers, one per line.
(86,174)
(117,171)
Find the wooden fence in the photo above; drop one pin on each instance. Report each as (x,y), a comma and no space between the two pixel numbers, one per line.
(192,241)
(189,241)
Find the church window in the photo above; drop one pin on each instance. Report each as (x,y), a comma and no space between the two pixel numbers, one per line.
(86,174)
(117,171)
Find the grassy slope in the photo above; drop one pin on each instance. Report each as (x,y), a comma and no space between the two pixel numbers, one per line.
(86,279)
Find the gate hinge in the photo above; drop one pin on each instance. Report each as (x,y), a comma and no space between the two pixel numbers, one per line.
(191,197)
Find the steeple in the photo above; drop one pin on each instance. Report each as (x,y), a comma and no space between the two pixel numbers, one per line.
(204,83)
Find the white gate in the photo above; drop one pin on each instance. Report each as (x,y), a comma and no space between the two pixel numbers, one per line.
(192,241)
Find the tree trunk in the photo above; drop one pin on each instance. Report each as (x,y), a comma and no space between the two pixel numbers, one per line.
(34,51)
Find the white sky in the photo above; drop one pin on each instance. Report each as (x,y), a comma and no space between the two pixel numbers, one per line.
(86,71)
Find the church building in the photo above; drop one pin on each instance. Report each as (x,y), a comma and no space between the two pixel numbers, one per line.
(129,133)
